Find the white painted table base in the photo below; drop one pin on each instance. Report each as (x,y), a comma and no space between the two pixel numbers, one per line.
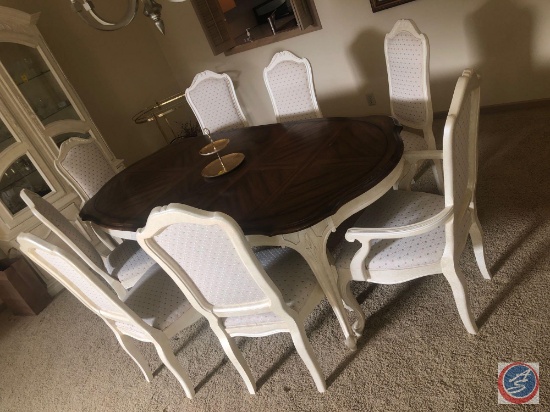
(311,243)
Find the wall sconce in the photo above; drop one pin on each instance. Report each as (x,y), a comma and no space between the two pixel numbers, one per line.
(151,9)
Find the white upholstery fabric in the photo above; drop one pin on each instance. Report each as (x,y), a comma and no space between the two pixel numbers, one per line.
(291,91)
(413,142)
(292,276)
(407,62)
(57,220)
(405,59)
(215,103)
(156,299)
(88,167)
(207,255)
(399,208)
(210,259)
(128,262)
(98,298)
(410,257)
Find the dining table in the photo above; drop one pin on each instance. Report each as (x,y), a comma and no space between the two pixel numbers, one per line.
(297,183)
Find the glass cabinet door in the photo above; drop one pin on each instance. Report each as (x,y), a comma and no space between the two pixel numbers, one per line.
(6,138)
(21,174)
(36,83)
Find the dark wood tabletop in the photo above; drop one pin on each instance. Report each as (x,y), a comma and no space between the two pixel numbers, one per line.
(294,175)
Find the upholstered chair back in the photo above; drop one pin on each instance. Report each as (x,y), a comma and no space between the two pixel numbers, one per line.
(407,61)
(75,276)
(289,81)
(84,165)
(214,102)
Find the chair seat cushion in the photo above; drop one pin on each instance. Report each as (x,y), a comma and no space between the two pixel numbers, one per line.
(413,142)
(398,208)
(292,276)
(128,262)
(157,299)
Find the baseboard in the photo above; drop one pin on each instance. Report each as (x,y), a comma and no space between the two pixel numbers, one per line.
(498,108)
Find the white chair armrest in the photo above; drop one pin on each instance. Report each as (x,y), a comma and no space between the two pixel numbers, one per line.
(365,235)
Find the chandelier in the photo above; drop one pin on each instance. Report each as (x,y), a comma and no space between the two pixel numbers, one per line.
(151,9)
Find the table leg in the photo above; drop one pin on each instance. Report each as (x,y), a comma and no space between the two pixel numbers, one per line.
(311,244)
(351,304)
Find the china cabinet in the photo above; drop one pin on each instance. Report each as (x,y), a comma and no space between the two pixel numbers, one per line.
(39,109)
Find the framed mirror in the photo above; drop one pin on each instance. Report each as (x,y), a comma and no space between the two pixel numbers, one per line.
(378,5)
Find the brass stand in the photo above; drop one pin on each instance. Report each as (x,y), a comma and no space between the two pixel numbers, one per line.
(223,164)
(159,111)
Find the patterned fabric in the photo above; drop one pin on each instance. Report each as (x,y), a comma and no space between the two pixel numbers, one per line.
(216,106)
(88,167)
(405,60)
(399,208)
(157,299)
(66,272)
(291,91)
(292,276)
(209,258)
(53,219)
(412,141)
(128,262)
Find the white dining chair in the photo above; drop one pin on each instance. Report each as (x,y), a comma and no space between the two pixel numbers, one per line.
(121,268)
(212,98)
(86,168)
(407,53)
(406,235)
(154,311)
(240,293)
(289,81)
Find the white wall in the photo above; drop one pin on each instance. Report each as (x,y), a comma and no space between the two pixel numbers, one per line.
(506,40)
(118,73)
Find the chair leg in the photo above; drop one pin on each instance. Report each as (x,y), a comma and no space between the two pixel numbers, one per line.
(407,176)
(352,305)
(118,288)
(437,166)
(437,169)
(304,349)
(456,279)
(135,354)
(167,356)
(236,357)
(476,234)
(107,240)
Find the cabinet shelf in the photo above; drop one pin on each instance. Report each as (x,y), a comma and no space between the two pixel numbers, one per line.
(6,182)
(50,117)
(46,98)
(30,79)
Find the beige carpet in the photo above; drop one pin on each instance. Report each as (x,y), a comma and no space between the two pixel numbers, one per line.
(415,354)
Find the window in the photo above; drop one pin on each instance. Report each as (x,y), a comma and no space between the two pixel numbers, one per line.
(232,26)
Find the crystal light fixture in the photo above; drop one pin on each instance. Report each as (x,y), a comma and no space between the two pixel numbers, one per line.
(151,9)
